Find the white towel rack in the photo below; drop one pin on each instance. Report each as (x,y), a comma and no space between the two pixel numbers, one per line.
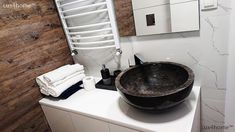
(88,24)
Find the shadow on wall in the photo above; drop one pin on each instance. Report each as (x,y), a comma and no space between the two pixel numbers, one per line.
(169,36)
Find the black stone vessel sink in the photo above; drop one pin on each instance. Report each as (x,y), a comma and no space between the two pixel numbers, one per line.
(155,86)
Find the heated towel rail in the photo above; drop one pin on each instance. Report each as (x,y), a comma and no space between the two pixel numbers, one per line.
(88,24)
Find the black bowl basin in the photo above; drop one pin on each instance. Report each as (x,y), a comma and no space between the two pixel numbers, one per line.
(155,86)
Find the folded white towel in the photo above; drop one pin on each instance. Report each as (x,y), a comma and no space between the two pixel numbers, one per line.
(56,91)
(62,72)
(44,91)
(58,87)
(42,85)
(41,82)
(66,78)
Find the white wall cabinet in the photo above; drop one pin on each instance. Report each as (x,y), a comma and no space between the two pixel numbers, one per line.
(165,16)
(63,121)
(184,17)
(161,17)
(141,4)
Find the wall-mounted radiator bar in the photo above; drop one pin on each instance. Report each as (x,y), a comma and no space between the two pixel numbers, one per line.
(89,24)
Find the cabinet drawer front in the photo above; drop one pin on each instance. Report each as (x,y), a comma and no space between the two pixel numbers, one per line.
(116,128)
(87,124)
(58,120)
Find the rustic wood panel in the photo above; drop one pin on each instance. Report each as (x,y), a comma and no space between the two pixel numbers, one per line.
(125,17)
(32,42)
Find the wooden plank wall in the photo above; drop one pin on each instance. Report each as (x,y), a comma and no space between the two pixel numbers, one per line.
(125,17)
(32,42)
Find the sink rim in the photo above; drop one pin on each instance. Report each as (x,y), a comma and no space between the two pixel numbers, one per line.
(186,84)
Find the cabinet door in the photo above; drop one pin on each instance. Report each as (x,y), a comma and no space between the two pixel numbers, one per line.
(140,4)
(58,120)
(87,124)
(116,128)
(185,16)
(161,16)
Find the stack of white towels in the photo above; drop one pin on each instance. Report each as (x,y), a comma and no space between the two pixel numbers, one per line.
(54,83)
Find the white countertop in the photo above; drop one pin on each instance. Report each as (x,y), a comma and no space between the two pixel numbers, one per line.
(108,106)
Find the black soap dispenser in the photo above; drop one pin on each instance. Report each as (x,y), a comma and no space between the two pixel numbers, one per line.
(105,75)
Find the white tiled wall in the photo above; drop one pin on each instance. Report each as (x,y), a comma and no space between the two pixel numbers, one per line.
(230,94)
(205,51)
(93,59)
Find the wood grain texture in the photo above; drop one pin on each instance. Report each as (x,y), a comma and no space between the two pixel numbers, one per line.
(125,17)
(32,42)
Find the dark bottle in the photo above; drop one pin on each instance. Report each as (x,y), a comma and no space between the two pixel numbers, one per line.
(105,75)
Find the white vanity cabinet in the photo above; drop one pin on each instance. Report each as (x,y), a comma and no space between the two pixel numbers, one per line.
(104,111)
(63,121)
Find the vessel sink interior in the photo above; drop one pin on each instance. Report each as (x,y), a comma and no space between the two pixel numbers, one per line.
(155,86)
